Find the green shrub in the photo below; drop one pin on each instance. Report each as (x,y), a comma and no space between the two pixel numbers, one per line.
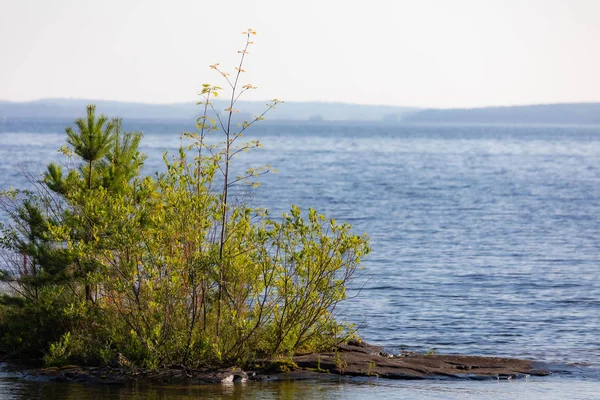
(59,352)
(167,269)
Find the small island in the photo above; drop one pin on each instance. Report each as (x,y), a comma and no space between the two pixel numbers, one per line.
(353,359)
(112,277)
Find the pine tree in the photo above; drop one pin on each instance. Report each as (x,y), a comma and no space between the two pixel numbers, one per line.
(93,141)
(123,161)
(44,274)
(110,159)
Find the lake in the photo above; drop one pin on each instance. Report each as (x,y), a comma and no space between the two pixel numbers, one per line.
(486,241)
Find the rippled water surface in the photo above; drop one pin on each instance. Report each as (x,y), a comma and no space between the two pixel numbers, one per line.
(486,240)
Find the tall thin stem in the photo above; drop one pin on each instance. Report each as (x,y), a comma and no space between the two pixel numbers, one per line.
(225,193)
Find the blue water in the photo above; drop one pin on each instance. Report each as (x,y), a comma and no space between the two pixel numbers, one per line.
(486,239)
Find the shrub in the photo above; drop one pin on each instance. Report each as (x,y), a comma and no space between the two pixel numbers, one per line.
(168,270)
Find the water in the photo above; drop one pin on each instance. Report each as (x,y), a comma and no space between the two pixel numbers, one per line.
(547,389)
(486,240)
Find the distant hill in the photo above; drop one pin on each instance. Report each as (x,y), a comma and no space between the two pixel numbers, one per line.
(573,113)
(73,108)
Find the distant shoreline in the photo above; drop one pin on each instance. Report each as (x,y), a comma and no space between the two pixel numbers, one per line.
(318,112)
(187,123)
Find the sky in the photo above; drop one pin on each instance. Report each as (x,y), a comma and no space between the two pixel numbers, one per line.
(423,53)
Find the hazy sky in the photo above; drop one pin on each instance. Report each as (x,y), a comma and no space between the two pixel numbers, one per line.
(433,53)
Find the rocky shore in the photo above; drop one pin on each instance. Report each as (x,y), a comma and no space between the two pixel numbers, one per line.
(355,359)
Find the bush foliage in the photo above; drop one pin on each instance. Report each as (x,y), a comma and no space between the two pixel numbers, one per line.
(103,265)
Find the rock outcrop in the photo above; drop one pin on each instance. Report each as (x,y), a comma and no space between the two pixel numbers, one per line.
(355,359)
(362,359)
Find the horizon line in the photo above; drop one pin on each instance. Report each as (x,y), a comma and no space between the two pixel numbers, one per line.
(193,102)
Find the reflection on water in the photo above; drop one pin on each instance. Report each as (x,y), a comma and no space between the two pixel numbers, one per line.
(546,388)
